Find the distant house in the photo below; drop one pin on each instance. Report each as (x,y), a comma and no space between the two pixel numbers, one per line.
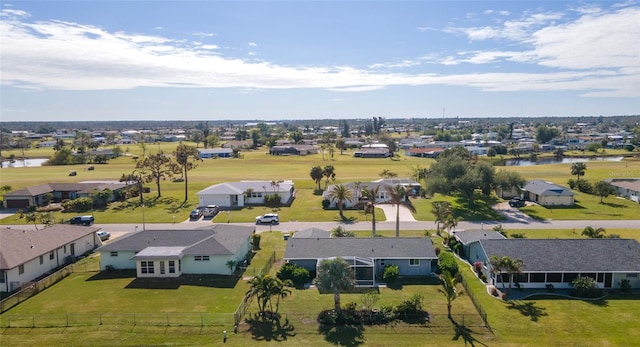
(243,193)
(548,194)
(239,144)
(46,144)
(412,187)
(215,153)
(367,256)
(26,255)
(424,152)
(558,262)
(372,153)
(626,187)
(171,253)
(293,150)
(104,152)
(37,195)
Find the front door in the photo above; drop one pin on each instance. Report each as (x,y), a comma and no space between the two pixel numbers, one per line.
(607,280)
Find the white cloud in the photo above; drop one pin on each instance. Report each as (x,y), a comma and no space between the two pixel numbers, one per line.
(596,54)
(252,44)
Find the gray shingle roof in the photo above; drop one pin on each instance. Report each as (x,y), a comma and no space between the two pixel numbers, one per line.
(312,233)
(468,236)
(219,239)
(18,246)
(378,248)
(569,255)
(541,187)
(65,187)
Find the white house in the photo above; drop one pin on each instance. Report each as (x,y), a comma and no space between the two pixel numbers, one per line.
(412,187)
(548,194)
(171,253)
(626,187)
(26,255)
(243,193)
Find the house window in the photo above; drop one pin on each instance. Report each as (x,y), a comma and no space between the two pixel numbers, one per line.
(41,260)
(536,277)
(2,274)
(172,266)
(21,269)
(632,275)
(114,254)
(146,267)
(600,277)
(414,262)
(51,255)
(201,258)
(569,277)
(64,249)
(554,277)
(162,267)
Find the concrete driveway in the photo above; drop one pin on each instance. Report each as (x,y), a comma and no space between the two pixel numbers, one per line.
(513,214)
(390,213)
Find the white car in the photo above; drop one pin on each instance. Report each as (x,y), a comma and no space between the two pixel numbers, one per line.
(269,218)
(103,235)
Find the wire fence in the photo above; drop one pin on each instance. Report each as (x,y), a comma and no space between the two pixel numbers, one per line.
(30,289)
(474,299)
(116,319)
(246,301)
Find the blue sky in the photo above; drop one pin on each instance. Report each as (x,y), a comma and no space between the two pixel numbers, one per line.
(268,60)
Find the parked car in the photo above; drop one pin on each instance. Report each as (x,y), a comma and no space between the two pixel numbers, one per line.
(269,218)
(103,235)
(517,202)
(82,220)
(210,211)
(196,213)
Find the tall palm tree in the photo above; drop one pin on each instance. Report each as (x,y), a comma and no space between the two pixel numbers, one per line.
(264,287)
(450,222)
(371,194)
(440,210)
(578,169)
(340,194)
(398,196)
(335,275)
(589,231)
(513,266)
(449,290)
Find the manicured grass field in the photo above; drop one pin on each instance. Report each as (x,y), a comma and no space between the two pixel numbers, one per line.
(540,322)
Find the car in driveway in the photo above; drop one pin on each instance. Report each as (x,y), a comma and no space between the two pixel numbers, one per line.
(195,214)
(269,218)
(516,202)
(103,235)
(210,211)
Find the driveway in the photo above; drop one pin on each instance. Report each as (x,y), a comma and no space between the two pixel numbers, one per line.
(513,214)
(390,213)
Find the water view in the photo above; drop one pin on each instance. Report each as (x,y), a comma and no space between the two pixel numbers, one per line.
(525,162)
(23,163)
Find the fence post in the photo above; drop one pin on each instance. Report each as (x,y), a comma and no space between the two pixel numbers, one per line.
(168,320)
(67,316)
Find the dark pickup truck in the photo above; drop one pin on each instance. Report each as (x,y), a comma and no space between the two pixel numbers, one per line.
(516,202)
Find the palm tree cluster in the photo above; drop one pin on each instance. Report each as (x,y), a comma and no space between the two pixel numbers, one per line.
(500,265)
(264,288)
(444,214)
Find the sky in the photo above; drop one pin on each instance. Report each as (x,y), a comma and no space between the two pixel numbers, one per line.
(278,60)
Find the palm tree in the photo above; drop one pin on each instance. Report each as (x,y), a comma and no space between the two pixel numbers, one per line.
(398,196)
(264,288)
(594,233)
(497,266)
(31,217)
(339,231)
(449,289)
(339,194)
(371,194)
(578,169)
(357,190)
(334,275)
(441,209)
(231,264)
(450,222)
(506,265)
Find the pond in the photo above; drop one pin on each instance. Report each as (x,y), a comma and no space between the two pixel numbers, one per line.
(23,162)
(543,161)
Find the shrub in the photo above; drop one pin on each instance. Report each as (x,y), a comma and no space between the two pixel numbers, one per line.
(572,183)
(391,273)
(438,250)
(326,203)
(549,287)
(255,241)
(585,187)
(518,236)
(78,205)
(585,287)
(625,285)
(411,310)
(272,200)
(297,274)
(447,262)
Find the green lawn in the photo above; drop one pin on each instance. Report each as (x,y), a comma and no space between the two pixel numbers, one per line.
(549,322)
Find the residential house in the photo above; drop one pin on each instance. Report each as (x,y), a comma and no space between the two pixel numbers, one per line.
(243,193)
(215,153)
(293,150)
(558,262)
(171,253)
(548,194)
(372,153)
(39,195)
(26,255)
(367,256)
(626,187)
(468,237)
(412,187)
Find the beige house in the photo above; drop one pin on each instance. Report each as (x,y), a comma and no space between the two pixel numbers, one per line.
(548,194)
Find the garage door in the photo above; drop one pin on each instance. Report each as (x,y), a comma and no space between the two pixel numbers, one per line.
(18,203)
